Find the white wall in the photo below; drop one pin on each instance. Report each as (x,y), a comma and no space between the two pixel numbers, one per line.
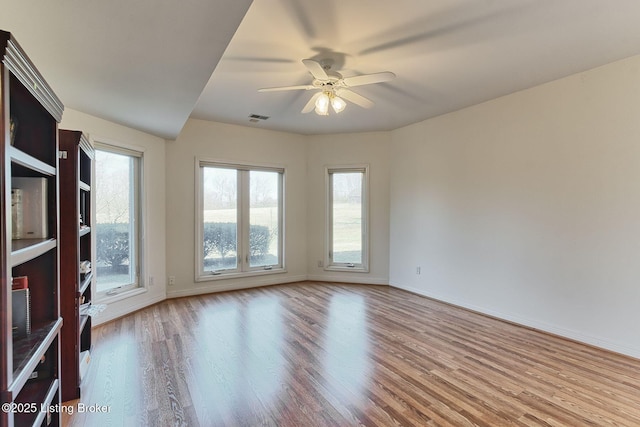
(217,141)
(527,207)
(345,149)
(154,200)
(304,158)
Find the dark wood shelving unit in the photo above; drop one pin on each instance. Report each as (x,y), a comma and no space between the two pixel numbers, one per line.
(76,243)
(29,358)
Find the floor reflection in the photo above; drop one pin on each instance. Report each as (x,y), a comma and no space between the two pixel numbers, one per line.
(239,367)
(347,362)
(264,363)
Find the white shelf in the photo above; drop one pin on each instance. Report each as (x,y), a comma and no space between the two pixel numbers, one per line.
(24,159)
(24,250)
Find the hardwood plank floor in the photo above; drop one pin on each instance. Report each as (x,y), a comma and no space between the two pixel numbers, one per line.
(319,354)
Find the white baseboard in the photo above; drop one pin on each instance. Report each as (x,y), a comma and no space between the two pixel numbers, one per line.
(531,323)
(111,313)
(233,285)
(239,284)
(347,278)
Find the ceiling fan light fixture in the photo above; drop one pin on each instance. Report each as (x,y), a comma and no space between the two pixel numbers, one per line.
(331,83)
(322,105)
(321,112)
(338,104)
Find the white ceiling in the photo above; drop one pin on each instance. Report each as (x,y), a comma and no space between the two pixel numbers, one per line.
(145,63)
(141,63)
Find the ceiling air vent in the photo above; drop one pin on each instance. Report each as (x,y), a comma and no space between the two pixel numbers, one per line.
(255,118)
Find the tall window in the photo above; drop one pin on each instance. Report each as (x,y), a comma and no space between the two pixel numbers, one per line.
(240,219)
(347,214)
(118,219)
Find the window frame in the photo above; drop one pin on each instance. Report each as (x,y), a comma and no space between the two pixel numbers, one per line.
(139,284)
(329,264)
(243,268)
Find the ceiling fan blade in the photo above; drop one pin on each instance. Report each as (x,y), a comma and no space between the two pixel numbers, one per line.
(311,104)
(367,79)
(276,89)
(355,98)
(315,69)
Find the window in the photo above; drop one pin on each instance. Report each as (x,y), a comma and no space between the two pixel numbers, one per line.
(347,213)
(118,219)
(239,229)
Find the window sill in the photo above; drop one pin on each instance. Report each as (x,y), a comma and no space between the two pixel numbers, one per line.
(236,275)
(107,299)
(342,269)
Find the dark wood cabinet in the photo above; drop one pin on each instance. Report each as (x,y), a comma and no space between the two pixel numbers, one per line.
(76,245)
(30,319)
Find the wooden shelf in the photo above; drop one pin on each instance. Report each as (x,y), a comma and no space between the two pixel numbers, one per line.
(24,250)
(40,392)
(83,321)
(85,283)
(29,148)
(30,162)
(28,351)
(76,241)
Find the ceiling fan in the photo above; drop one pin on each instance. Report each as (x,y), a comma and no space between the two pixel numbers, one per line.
(332,88)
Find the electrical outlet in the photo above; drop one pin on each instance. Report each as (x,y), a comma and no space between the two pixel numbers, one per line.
(151,283)
(320,264)
(418,270)
(172,280)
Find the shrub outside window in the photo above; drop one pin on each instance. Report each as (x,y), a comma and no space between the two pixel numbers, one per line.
(118,219)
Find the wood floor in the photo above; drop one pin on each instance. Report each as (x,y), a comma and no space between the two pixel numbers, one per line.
(318,354)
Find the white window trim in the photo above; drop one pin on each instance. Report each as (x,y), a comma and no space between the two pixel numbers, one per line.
(328,262)
(204,276)
(140,285)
